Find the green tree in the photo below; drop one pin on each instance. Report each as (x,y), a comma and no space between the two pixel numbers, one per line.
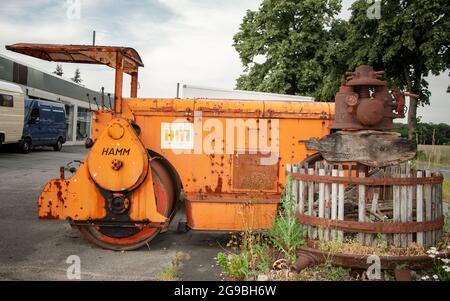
(290,38)
(59,70)
(410,40)
(77,77)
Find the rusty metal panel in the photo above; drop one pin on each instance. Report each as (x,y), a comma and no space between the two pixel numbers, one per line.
(237,215)
(249,174)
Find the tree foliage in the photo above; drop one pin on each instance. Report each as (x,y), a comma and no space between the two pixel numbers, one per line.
(428,133)
(77,77)
(289,36)
(410,41)
(59,70)
(306,49)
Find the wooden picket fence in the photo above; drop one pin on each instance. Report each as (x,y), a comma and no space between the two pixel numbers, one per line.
(336,201)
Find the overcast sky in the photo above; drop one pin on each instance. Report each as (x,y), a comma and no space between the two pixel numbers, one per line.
(187,41)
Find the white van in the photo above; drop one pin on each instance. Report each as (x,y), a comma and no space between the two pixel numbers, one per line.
(12,110)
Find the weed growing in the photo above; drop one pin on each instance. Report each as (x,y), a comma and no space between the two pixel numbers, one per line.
(253,253)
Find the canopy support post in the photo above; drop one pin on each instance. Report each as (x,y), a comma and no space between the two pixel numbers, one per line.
(134,84)
(119,83)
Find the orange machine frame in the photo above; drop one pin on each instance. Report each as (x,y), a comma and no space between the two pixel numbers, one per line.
(223,191)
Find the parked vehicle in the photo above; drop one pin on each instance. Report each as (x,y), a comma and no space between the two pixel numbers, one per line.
(11,113)
(45,125)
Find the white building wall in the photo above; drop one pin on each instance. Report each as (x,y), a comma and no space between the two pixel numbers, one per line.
(190,91)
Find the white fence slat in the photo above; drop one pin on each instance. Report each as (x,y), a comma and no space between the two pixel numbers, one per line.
(310,202)
(301,193)
(419,209)
(396,207)
(341,194)
(321,202)
(409,212)
(361,206)
(428,208)
(334,205)
(403,206)
(295,185)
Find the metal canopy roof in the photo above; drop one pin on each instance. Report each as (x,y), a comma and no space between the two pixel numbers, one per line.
(101,55)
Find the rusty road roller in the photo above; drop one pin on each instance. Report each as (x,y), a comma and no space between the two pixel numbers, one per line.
(223,160)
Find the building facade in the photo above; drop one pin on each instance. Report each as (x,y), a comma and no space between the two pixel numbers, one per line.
(78,100)
(191,91)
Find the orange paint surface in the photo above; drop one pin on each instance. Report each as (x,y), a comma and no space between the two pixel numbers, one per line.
(226,188)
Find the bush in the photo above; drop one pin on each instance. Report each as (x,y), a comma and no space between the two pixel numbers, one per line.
(235,265)
(256,251)
(287,234)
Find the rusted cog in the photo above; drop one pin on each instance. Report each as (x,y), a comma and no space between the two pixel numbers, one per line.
(131,238)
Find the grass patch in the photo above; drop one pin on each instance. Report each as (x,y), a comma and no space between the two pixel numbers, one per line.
(382,248)
(324,272)
(446,191)
(171,272)
(434,154)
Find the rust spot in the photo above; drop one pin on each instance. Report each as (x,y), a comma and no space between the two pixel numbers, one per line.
(248,174)
(49,215)
(219,185)
(60,197)
(208,189)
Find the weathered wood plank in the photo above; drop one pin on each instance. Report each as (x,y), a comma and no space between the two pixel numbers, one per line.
(370,238)
(419,209)
(326,232)
(403,205)
(361,206)
(372,148)
(341,192)
(311,202)
(428,208)
(321,202)
(334,204)
(440,212)
(295,185)
(301,192)
(396,206)
(409,212)
(433,211)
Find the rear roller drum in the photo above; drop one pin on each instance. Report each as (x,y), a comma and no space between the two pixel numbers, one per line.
(131,238)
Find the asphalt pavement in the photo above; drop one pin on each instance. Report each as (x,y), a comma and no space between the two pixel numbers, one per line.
(33,249)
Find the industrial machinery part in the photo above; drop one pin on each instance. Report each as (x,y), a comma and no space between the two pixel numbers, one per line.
(365,110)
(226,158)
(365,103)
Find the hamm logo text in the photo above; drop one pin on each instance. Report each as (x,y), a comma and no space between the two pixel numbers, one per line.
(115,151)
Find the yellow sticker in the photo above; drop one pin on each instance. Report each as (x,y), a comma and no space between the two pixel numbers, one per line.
(177,135)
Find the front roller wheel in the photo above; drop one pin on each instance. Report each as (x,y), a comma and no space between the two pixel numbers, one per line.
(131,238)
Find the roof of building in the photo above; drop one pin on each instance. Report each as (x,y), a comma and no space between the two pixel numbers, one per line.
(84,54)
(37,79)
(7,86)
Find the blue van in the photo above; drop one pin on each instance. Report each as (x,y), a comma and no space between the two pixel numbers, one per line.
(45,125)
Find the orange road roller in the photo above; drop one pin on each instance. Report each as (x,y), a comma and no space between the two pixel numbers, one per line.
(223,160)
